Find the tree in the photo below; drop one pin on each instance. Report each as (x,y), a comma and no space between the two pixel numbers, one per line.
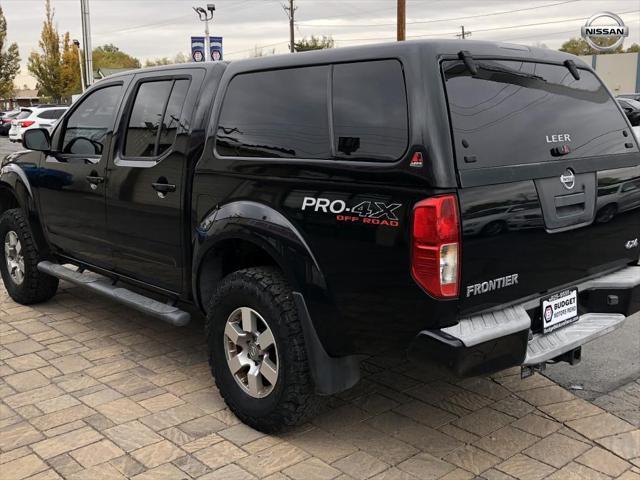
(261,52)
(110,56)
(47,66)
(314,43)
(70,67)
(634,48)
(579,46)
(9,61)
(179,58)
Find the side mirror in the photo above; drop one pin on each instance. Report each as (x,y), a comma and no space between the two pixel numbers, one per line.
(37,139)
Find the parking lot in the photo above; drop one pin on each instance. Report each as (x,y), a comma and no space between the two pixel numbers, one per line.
(93,390)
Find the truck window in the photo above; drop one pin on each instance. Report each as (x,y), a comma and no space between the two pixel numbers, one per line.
(515,112)
(145,118)
(154,119)
(369,111)
(276,114)
(88,125)
(171,119)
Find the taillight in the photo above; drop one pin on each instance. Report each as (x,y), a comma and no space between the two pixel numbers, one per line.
(435,246)
(26,123)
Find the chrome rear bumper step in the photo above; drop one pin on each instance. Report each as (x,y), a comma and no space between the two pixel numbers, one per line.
(106,287)
(588,327)
(486,326)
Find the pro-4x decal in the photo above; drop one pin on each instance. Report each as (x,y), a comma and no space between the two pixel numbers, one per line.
(371,212)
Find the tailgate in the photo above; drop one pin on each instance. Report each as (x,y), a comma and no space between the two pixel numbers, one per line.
(550,177)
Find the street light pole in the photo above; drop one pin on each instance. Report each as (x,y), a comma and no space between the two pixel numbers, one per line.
(86,40)
(82,84)
(205,16)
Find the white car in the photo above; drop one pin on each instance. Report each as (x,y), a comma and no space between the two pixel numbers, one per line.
(35,117)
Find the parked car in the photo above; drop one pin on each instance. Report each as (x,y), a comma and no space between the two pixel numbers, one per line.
(632,96)
(44,116)
(324,206)
(617,198)
(632,111)
(5,121)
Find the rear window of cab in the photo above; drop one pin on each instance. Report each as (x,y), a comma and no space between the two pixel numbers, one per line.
(349,111)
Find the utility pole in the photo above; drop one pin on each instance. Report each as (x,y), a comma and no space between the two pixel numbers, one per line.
(205,16)
(80,60)
(86,40)
(464,33)
(291,14)
(402,19)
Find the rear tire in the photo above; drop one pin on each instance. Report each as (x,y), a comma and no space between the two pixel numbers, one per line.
(264,296)
(19,267)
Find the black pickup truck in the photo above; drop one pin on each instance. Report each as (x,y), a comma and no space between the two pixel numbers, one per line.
(473,201)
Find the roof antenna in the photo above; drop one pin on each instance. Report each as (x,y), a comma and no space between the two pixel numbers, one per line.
(571,66)
(468,61)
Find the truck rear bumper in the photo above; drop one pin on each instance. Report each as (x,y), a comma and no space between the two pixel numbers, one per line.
(491,341)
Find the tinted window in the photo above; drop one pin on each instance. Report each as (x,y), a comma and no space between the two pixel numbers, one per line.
(369,110)
(279,113)
(52,114)
(23,114)
(517,112)
(147,135)
(144,122)
(171,119)
(88,125)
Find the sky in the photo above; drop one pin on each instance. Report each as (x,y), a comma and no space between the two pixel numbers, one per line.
(150,29)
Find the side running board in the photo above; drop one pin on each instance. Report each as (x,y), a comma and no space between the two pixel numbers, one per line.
(105,286)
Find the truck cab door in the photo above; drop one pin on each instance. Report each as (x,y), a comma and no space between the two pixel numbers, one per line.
(71,180)
(145,197)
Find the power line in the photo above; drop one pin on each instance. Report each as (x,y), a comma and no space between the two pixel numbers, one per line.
(442,34)
(439,19)
(170,21)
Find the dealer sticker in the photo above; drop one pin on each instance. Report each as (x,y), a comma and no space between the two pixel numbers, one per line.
(559,310)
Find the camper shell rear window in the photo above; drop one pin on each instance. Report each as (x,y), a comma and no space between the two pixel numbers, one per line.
(516,112)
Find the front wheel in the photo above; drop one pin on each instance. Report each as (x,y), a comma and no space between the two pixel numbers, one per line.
(22,279)
(257,350)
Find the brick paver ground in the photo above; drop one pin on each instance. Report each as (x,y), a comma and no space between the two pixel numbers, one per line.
(92,390)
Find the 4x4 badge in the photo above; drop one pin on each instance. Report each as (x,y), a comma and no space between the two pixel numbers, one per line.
(631,244)
(568,179)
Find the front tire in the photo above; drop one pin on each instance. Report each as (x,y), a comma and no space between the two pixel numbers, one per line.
(22,279)
(257,350)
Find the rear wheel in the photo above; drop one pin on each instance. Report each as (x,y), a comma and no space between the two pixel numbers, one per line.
(22,279)
(257,351)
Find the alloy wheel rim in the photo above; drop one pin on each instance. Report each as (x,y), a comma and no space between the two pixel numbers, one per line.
(14,258)
(251,352)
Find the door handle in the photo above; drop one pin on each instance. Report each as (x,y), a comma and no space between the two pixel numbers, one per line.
(163,187)
(94,180)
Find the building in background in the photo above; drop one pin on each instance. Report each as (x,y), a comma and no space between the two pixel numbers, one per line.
(619,71)
(22,97)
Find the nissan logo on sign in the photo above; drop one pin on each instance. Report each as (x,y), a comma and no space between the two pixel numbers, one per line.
(618,31)
(568,179)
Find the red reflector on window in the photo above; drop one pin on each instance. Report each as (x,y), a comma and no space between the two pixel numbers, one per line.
(435,251)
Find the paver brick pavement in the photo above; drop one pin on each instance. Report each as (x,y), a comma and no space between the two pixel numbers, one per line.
(90,389)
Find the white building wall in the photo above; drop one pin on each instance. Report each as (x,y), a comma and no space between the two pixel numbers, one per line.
(619,71)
